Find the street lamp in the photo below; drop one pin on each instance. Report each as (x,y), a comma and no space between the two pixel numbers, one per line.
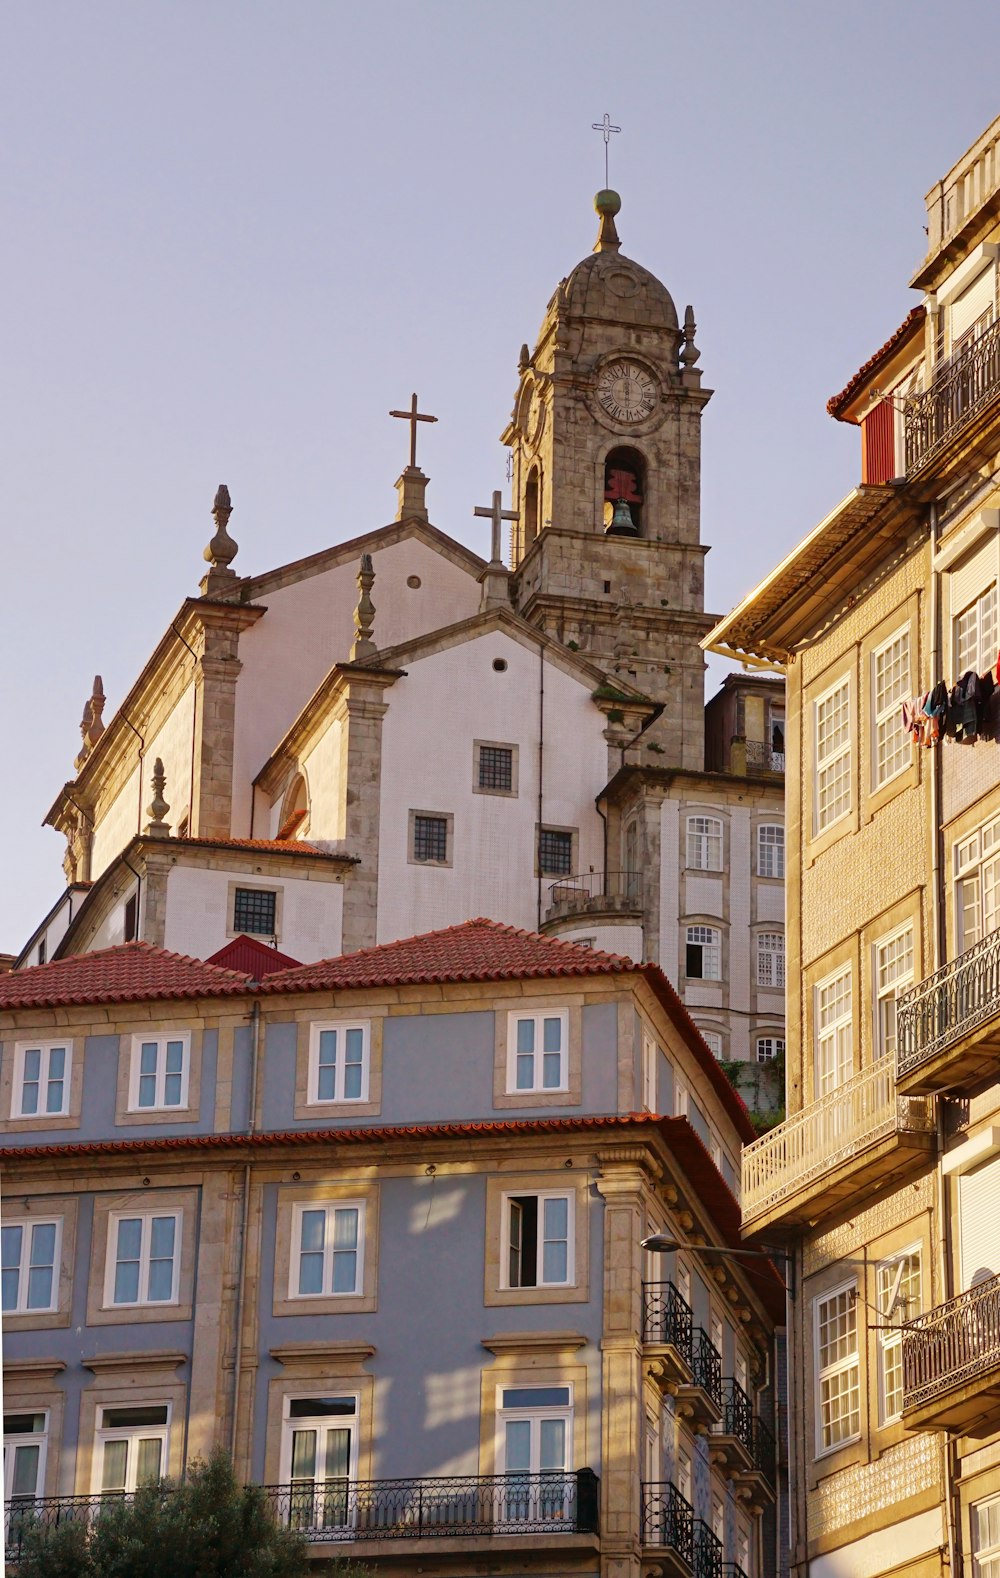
(663,1244)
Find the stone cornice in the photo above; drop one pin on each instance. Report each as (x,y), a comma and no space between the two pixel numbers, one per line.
(346,1354)
(519,1342)
(133,1359)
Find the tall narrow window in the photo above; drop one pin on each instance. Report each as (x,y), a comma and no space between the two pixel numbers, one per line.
(319,1460)
(771,850)
(833,755)
(539,1240)
(132,1446)
(535,1453)
(891,749)
(704,843)
(703,954)
(25,1438)
(838,1385)
(893,974)
(898,1301)
(770,959)
(986,1538)
(975,634)
(531,508)
(977,883)
(834,1033)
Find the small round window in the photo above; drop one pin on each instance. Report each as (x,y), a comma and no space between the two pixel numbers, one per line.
(413,581)
(500,664)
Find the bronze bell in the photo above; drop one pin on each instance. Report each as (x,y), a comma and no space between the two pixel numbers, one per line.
(622,524)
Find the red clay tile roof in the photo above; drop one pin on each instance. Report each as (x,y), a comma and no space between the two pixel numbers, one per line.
(477,950)
(837,402)
(250,956)
(262,846)
(134,972)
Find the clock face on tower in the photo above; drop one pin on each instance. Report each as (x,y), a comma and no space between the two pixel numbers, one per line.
(626,391)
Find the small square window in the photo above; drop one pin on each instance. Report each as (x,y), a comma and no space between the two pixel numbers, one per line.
(555,852)
(159,1075)
(430,838)
(255,911)
(495,768)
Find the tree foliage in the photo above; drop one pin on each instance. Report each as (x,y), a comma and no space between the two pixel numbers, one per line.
(207,1527)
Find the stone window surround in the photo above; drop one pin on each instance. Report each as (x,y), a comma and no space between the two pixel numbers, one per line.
(768,819)
(44,1208)
(128,1051)
(556,1180)
(534,1359)
(14,1041)
(441,816)
(111,1267)
(315,1193)
(306,1035)
(129,1380)
(571,1094)
(574,853)
(817,839)
(820,1463)
(537,1015)
(29,1387)
(44,1049)
(135,1070)
(502,745)
(320,1369)
(141,1202)
(715,923)
(696,812)
(906,616)
(277,888)
(845,956)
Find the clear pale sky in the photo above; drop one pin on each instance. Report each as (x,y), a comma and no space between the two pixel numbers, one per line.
(236,233)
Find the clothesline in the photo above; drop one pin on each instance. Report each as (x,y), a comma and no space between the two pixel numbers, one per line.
(968,712)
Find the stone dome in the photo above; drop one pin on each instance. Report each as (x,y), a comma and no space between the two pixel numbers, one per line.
(609,285)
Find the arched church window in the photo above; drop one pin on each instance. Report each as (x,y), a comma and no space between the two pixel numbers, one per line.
(624,492)
(531,507)
(295,809)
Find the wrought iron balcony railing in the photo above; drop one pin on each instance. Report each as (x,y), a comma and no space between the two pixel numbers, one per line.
(340,1511)
(737,1414)
(828,1132)
(668,1519)
(761,758)
(708,1552)
(666,1317)
(951,1345)
(941,1010)
(706,1365)
(765,1455)
(960,389)
(595,890)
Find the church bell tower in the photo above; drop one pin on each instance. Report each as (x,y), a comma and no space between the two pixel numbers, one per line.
(606,443)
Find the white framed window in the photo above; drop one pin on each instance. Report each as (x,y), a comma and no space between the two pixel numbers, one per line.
(769,1047)
(535,1436)
(131,1446)
(339,1060)
(834,1032)
(29,1251)
(838,1376)
(985,1516)
(143,1264)
(327,1249)
(680,1099)
(893,973)
(977,885)
(704,843)
(319,1459)
(899,1299)
(41,1079)
(771,850)
(974,634)
(25,1443)
(713,1040)
(538,1240)
(159,1074)
(703,953)
(891,748)
(537,1051)
(650,1055)
(832,715)
(771,958)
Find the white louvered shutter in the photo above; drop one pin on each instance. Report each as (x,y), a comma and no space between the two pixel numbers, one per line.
(979,1222)
(975,303)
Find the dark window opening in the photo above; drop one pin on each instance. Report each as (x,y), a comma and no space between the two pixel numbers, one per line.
(624,492)
(496,767)
(430,838)
(694,961)
(42,951)
(522,1268)
(531,507)
(254,911)
(555,853)
(131,917)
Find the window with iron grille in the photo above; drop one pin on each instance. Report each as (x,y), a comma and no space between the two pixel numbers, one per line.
(496,768)
(555,852)
(254,911)
(430,838)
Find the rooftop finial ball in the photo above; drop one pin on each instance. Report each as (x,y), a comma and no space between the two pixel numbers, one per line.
(608,202)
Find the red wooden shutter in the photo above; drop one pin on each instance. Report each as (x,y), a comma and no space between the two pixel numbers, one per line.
(878,443)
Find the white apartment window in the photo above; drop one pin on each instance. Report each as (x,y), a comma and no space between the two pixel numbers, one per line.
(770,958)
(891,749)
(29,1252)
(893,974)
(833,755)
(986,1538)
(713,1040)
(704,843)
(650,1054)
(539,1240)
(680,1099)
(834,1033)
(898,1282)
(977,885)
(536,1051)
(771,850)
(769,1047)
(41,1079)
(975,634)
(328,1248)
(338,1062)
(319,1459)
(160,1068)
(838,1384)
(25,1439)
(143,1259)
(703,954)
(535,1436)
(132,1446)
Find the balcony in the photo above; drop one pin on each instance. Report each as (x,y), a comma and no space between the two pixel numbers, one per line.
(675,1543)
(762,759)
(755,1484)
(666,1336)
(731,1442)
(342,1512)
(597,895)
(951,1364)
(845,1147)
(948,1027)
(699,1400)
(962,393)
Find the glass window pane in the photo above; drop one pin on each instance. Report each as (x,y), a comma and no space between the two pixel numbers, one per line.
(175,1057)
(147,1057)
(10,1281)
(552,1035)
(147,1469)
(553,1444)
(311,1272)
(345,1228)
(147,1090)
(127,1282)
(10,1247)
(161,1281)
(114,1465)
(525,1035)
(303,1454)
(536,1397)
(172,1090)
(338,1454)
(40,1288)
(552,1070)
(327,1046)
(25,1476)
(517,1457)
(525,1071)
(129,1237)
(162,1236)
(57,1062)
(32,1063)
(313,1229)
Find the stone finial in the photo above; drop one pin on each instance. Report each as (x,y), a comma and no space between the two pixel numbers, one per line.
(158,807)
(92,722)
(689,351)
(411,493)
(221,550)
(524,360)
(364,648)
(607,204)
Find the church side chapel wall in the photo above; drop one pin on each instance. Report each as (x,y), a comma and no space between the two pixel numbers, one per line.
(446,703)
(322,767)
(309,626)
(200,902)
(120,815)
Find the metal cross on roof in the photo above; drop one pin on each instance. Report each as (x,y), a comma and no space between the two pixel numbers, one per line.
(494,512)
(606,127)
(413,416)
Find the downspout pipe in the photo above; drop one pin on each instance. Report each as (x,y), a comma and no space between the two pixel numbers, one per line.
(142,753)
(241,1253)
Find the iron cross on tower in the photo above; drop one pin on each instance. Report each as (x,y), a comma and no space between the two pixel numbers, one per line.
(413,416)
(606,127)
(495,513)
